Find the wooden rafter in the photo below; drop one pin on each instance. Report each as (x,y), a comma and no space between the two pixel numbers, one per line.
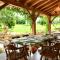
(36,2)
(51,10)
(1,3)
(27,1)
(42,4)
(3,6)
(42,12)
(14,2)
(49,5)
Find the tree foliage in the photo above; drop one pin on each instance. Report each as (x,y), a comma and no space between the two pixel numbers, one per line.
(7,17)
(42,20)
(55,19)
(11,15)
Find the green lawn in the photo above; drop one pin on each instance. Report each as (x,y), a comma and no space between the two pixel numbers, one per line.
(40,28)
(27,28)
(22,29)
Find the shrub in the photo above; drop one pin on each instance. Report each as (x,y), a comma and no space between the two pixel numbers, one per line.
(20,22)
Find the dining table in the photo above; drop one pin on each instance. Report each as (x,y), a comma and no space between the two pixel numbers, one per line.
(39,39)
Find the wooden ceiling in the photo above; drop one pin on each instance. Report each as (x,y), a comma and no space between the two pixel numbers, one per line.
(43,6)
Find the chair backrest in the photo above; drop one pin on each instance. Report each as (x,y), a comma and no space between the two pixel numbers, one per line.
(10,49)
(57,46)
(26,48)
(17,52)
(49,51)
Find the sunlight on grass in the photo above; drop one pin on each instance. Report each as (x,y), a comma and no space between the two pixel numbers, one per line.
(22,28)
(26,29)
(40,28)
(55,27)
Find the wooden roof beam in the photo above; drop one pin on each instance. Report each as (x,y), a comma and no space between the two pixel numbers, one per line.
(1,3)
(27,1)
(48,5)
(3,6)
(14,2)
(46,13)
(36,2)
(52,14)
(50,10)
(42,4)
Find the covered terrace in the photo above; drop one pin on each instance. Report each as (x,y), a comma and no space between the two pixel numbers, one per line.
(35,8)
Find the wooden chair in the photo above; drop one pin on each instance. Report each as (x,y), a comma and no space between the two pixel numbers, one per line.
(14,53)
(25,52)
(49,52)
(57,47)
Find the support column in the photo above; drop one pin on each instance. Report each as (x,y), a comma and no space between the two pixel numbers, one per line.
(34,27)
(49,24)
(34,14)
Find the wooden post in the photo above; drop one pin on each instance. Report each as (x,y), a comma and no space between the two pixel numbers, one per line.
(49,24)
(34,27)
(34,14)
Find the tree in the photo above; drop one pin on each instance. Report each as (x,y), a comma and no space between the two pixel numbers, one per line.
(7,17)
